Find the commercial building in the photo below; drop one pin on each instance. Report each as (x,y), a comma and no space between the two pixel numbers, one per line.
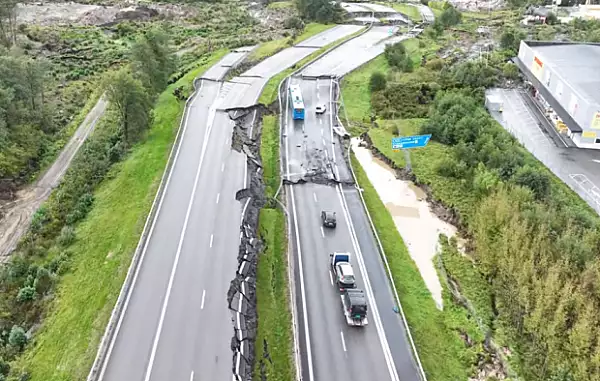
(565,79)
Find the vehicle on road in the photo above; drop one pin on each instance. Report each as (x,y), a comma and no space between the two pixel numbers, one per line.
(328,219)
(296,102)
(354,302)
(343,271)
(320,109)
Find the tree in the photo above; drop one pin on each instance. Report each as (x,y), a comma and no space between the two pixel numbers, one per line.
(510,71)
(450,16)
(293,23)
(133,104)
(152,60)
(26,294)
(323,11)
(511,39)
(546,33)
(8,22)
(533,179)
(377,82)
(397,57)
(17,337)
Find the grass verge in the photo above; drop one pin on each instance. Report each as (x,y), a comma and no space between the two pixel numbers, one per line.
(66,345)
(274,317)
(410,10)
(270,48)
(436,333)
(269,152)
(269,93)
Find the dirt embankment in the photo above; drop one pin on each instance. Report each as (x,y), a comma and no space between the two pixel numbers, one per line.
(46,14)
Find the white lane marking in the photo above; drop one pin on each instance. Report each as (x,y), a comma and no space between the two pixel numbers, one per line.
(245,172)
(320,121)
(159,207)
(315,196)
(322,232)
(596,161)
(211,118)
(202,305)
(322,132)
(330,277)
(211,239)
(222,167)
(343,341)
(218,196)
(311,375)
(369,290)
(252,123)
(227,141)
(192,376)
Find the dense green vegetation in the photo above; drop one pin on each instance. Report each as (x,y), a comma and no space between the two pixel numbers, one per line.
(443,353)
(532,266)
(322,11)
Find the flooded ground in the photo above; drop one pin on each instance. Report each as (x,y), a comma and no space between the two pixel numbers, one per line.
(415,222)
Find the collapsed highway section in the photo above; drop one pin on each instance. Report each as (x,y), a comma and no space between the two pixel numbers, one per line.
(178,291)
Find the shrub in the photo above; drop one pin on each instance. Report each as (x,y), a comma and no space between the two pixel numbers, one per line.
(17,337)
(377,82)
(26,294)
(67,236)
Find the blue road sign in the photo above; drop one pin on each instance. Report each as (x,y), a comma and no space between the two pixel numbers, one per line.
(415,141)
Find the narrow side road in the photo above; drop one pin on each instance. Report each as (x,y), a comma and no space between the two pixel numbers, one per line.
(17,215)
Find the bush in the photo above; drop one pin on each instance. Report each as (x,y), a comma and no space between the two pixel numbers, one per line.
(533,179)
(67,236)
(26,294)
(377,82)
(293,23)
(17,337)
(396,56)
(510,71)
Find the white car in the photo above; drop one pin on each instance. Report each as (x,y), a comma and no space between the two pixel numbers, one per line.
(321,109)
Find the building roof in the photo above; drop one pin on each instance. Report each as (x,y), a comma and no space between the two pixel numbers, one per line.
(576,64)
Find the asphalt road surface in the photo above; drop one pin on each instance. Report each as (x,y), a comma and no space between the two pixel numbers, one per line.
(578,168)
(353,53)
(250,84)
(176,324)
(333,350)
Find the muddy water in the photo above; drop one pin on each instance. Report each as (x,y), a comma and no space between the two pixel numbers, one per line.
(415,222)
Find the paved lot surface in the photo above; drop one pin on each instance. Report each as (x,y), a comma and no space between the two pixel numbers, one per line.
(578,168)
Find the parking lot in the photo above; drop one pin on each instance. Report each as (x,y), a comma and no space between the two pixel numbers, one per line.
(578,168)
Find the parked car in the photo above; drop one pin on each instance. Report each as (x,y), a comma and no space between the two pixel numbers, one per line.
(321,109)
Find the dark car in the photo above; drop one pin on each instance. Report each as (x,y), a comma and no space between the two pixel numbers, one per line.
(328,219)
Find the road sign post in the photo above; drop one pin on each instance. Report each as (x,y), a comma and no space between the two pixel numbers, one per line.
(405,143)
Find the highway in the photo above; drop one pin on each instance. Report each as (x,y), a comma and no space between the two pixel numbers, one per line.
(175,323)
(353,53)
(318,179)
(380,350)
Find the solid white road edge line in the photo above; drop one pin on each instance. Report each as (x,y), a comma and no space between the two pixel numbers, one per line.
(370,295)
(211,117)
(322,232)
(302,290)
(363,269)
(159,207)
(315,197)
(301,270)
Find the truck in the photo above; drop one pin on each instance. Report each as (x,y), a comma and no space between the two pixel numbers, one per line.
(354,302)
(342,270)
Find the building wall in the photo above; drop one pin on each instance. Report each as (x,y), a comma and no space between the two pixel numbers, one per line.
(586,114)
